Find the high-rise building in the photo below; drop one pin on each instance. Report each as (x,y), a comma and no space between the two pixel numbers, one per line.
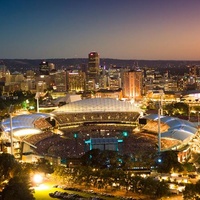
(2,69)
(60,81)
(43,82)
(114,83)
(194,71)
(30,74)
(93,71)
(132,84)
(75,81)
(44,68)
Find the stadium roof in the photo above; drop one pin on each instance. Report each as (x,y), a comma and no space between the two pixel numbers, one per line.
(98,105)
(179,129)
(23,124)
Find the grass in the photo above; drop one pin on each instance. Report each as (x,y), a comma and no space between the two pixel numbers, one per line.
(42,192)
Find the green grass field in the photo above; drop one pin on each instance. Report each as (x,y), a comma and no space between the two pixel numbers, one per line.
(42,192)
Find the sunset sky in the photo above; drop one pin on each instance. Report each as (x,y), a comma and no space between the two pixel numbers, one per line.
(119,29)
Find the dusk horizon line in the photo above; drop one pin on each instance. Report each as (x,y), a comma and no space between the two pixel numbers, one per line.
(1,59)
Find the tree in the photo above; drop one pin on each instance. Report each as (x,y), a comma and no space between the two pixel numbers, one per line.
(134,182)
(102,159)
(179,108)
(18,188)
(162,189)
(8,165)
(91,158)
(168,162)
(190,192)
(154,188)
(43,165)
(188,167)
(63,174)
(127,162)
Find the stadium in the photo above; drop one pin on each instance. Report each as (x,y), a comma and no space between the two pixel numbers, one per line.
(64,132)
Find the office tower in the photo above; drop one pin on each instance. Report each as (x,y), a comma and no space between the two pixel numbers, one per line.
(41,86)
(30,74)
(60,81)
(192,83)
(75,81)
(44,68)
(51,67)
(193,71)
(93,71)
(114,83)
(17,77)
(43,82)
(2,69)
(132,85)
(114,78)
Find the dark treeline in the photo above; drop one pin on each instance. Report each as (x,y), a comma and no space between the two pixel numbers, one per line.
(23,65)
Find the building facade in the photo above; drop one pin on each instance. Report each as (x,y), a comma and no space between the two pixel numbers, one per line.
(132,85)
(75,81)
(93,71)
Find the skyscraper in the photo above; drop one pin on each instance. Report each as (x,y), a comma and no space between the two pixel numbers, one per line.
(132,85)
(60,81)
(93,71)
(44,68)
(2,69)
(75,81)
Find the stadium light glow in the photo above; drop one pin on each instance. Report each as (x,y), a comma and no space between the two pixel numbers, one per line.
(38,178)
(23,132)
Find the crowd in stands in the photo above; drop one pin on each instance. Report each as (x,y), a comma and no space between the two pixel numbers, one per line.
(48,143)
(137,143)
(61,147)
(90,128)
(69,145)
(167,143)
(152,126)
(42,124)
(33,139)
(65,118)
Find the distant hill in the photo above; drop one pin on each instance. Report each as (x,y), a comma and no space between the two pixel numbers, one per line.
(23,65)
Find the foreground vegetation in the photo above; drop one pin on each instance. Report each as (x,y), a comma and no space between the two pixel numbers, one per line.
(101,171)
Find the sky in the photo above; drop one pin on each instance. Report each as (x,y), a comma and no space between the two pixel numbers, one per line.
(118,29)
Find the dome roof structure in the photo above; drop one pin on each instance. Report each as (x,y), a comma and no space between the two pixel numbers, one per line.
(98,105)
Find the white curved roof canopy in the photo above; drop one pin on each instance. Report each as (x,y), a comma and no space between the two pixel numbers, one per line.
(98,105)
(179,129)
(23,124)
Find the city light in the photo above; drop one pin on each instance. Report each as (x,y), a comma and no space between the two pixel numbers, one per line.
(37,179)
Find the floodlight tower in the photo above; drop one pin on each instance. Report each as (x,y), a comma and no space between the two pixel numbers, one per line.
(160,112)
(159,133)
(37,96)
(10,111)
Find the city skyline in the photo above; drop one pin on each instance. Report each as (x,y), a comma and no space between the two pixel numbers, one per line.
(130,29)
